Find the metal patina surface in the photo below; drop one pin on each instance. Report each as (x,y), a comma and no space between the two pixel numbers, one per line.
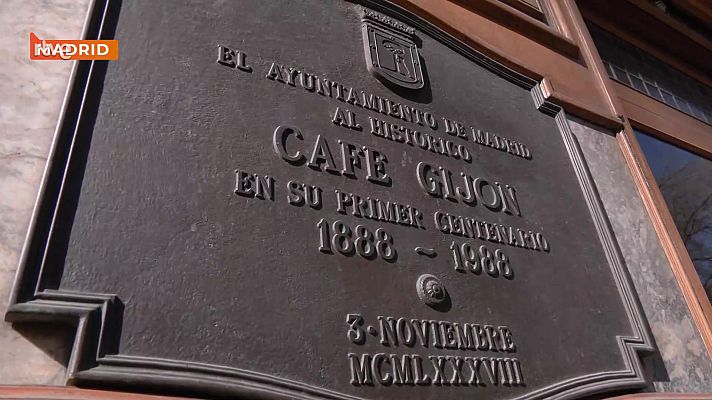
(314,199)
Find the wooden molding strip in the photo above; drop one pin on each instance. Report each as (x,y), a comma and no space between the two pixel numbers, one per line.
(672,23)
(572,106)
(588,51)
(533,9)
(72,393)
(701,10)
(664,121)
(664,396)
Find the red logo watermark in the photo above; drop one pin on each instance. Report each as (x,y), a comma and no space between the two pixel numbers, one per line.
(42,49)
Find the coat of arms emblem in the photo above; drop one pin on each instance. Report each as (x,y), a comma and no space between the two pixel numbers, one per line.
(391,53)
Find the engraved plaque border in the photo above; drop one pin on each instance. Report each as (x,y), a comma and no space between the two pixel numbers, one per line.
(98,316)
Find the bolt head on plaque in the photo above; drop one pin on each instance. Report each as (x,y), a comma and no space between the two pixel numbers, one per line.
(430,290)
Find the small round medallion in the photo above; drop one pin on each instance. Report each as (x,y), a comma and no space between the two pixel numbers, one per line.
(430,290)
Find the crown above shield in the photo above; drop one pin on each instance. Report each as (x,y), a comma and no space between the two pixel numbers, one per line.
(391,53)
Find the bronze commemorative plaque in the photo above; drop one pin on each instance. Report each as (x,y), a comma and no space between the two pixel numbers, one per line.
(322,199)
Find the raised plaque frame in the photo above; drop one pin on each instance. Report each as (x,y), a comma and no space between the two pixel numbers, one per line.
(98,316)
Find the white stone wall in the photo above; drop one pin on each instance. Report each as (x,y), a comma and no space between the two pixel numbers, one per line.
(31,94)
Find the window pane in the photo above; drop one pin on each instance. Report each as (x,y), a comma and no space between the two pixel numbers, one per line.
(637,83)
(685,180)
(609,68)
(653,90)
(668,98)
(621,75)
(684,107)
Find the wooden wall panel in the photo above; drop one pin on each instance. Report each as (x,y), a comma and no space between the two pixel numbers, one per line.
(664,121)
